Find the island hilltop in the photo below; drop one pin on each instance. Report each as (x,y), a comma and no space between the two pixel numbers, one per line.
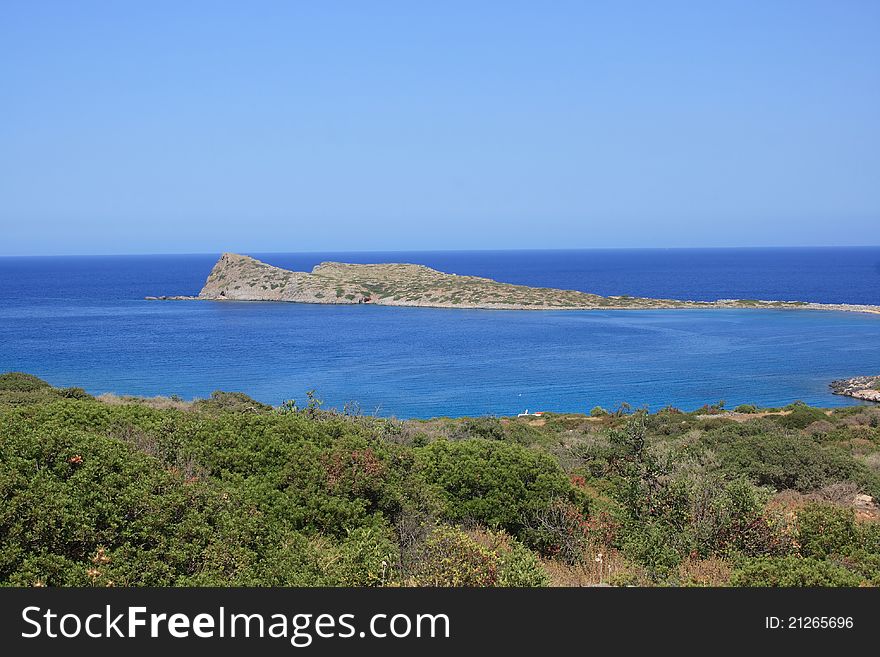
(242,278)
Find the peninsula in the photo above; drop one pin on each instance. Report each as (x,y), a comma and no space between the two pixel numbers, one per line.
(242,278)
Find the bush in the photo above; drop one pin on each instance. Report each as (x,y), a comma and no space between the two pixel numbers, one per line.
(521,567)
(824,529)
(559,531)
(366,558)
(451,557)
(783,461)
(492,483)
(227,491)
(730,518)
(598,411)
(800,417)
(749,409)
(488,428)
(654,545)
(175,498)
(73,393)
(792,571)
(231,402)
(863,563)
(21,382)
(518,566)
(832,533)
(71,495)
(19,389)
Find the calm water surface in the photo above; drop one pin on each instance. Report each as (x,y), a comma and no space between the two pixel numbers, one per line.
(82,321)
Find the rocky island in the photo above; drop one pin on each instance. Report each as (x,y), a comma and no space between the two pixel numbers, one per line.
(242,278)
(866,388)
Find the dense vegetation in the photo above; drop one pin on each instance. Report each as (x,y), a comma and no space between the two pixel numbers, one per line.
(228,491)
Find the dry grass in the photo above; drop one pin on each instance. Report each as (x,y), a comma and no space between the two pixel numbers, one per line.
(609,569)
(819,428)
(871,460)
(742,417)
(489,540)
(839,494)
(869,417)
(161,403)
(704,572)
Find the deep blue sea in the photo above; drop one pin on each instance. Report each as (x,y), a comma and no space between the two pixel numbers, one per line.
(82,321)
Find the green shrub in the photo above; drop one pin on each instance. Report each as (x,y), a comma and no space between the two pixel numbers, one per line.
(488,428)
(792,571)
(865,563)
(746,408)
(823,530)
(69,494)
(560,531)
(21,382)
(451,557)
(19,389)
(785,461)
(288,558)
(227,491)
(800,417)
(367,557)
(598,411)
(232,402)
(230,498)
(655,546)
(521,567)
(73,393)
(492,483)
(832,533)
(731,518)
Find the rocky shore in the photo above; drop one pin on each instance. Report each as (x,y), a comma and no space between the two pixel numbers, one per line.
(175,297)
(242,278)
(866,388)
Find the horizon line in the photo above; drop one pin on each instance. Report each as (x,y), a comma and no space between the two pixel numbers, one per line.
(422,250)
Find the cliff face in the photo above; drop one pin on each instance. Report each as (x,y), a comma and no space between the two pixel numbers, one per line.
(242,278)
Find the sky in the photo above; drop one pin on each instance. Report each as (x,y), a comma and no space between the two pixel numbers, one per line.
(199,127)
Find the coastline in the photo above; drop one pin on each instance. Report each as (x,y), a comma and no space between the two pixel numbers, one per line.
(657,304)
(863,388)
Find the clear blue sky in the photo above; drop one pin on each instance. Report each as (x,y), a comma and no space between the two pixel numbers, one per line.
(153,126)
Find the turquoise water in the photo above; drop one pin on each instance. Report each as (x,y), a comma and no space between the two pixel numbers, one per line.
(82,321)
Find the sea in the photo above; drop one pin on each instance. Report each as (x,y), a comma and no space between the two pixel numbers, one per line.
(83,321)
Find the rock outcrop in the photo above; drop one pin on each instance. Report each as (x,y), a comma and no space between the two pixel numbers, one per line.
(866,388)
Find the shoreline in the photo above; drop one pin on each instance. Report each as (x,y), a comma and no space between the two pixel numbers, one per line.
(658,304)
(863,388)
